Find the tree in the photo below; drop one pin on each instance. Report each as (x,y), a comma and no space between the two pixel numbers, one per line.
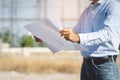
(6,37)
(27,41)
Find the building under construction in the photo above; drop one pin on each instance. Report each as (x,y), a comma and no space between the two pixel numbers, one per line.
(15,14)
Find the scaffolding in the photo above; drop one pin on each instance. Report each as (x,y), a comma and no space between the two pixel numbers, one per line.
(14,14)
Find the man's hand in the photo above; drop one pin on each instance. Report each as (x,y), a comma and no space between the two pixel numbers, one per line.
(37,39)
(69,35)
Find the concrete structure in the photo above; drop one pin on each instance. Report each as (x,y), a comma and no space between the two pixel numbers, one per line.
(14,14)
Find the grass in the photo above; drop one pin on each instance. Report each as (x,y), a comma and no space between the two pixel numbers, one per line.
(40,64)
(43,63)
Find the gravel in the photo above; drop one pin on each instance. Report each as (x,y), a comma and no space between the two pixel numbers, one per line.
(20,76)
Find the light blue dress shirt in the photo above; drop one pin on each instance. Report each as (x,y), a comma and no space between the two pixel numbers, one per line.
(99,29)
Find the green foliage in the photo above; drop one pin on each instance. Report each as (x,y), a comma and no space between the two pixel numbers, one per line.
(0,35)
(27,41)
(6,37)
(119,47)
(41,44)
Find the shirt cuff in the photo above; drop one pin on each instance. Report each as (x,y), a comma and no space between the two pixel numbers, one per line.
(83,38)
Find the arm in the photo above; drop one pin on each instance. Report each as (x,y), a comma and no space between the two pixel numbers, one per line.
(109,31)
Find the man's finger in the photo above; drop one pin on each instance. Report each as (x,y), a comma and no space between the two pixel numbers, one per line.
(65,33)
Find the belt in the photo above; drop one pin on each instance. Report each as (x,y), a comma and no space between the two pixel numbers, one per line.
(100,60)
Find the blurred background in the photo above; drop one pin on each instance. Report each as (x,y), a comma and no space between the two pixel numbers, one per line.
(15,14)
(21,58)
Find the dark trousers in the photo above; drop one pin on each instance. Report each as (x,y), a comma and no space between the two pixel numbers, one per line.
(99,69)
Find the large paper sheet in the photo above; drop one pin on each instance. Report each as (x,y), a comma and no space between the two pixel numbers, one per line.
(51,37)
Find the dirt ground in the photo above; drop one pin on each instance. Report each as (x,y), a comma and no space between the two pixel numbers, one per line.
(19,76)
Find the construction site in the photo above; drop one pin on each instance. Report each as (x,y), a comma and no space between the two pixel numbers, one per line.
(20,62)
(29,60)
(15,14)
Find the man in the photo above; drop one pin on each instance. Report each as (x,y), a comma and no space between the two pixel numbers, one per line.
(98,31)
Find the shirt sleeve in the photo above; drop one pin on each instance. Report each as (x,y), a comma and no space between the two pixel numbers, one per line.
(109,31)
